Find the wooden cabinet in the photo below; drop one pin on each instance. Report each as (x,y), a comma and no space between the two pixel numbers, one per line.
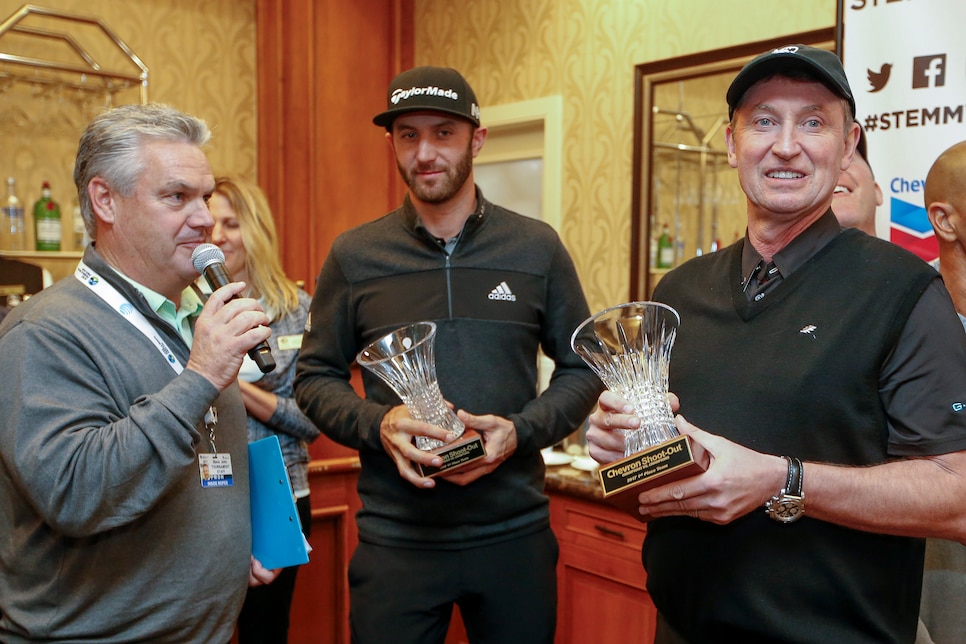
(602,596)
(320,607)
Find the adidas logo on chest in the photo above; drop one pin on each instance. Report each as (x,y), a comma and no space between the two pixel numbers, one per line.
(502,292)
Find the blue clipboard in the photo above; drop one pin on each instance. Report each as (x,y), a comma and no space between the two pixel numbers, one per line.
(277,539)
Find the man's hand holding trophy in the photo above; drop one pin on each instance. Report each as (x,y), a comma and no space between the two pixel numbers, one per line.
(629,348)
(405,361)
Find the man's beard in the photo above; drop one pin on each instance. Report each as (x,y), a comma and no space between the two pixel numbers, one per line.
(444,188)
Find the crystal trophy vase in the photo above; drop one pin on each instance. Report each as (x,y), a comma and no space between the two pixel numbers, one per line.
(405,360)
(629,348)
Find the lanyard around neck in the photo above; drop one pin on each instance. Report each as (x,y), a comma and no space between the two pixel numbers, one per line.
(104,290)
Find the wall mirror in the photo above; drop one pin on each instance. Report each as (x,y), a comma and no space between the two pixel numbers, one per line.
(685,198)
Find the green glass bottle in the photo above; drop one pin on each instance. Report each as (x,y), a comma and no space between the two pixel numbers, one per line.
(665,249)
(47,221)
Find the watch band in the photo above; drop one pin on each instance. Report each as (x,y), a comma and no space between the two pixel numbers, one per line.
(793,484)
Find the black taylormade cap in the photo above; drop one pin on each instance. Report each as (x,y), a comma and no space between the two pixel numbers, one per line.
(438,89)
(820,63)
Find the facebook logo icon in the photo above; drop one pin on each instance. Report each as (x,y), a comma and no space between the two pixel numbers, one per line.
(928,71)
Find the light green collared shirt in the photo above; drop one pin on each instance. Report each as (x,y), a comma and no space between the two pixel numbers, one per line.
(177,317)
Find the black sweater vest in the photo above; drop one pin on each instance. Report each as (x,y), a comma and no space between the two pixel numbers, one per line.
(795,373)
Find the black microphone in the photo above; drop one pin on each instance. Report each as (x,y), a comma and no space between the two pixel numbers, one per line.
(210,262)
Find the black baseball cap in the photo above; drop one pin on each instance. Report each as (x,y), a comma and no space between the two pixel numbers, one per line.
(437,89)
(821,63)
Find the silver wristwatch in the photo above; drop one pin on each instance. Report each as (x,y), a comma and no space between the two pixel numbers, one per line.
(789,504)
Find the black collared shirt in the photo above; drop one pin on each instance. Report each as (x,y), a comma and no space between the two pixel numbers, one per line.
(909,357)
(790,258)
(448,245)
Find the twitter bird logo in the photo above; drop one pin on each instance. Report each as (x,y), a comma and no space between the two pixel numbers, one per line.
(879,79)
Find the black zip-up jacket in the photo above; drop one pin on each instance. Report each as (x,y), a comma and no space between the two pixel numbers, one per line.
(507,288)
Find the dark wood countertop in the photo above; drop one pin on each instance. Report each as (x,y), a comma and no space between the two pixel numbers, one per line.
(334,465)
(562,479)
(565,479)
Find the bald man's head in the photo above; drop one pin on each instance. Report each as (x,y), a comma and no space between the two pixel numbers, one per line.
(945,197)
(946,180)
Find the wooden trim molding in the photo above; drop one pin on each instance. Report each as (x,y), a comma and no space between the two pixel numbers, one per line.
(323,165)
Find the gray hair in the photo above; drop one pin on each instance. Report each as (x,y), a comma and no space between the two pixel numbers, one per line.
(110,147)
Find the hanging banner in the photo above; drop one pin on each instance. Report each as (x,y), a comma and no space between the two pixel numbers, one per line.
(906,63)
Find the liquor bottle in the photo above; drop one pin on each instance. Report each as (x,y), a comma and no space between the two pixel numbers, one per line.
(665,249)
(47,220)
(14,235)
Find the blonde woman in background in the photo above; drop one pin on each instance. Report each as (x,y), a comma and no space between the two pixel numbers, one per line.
(245,232)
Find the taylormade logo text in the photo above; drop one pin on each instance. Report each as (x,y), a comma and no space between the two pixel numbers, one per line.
(404,94)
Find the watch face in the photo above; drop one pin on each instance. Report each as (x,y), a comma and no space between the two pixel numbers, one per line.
(785,508)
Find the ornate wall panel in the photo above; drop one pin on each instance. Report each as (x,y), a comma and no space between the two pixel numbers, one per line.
(585,50)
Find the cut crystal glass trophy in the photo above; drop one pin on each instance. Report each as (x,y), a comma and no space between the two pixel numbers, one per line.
(405,361)
(629,348)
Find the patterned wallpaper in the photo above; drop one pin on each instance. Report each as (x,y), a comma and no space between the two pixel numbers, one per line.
(585,50)
(201,59)
(201,56)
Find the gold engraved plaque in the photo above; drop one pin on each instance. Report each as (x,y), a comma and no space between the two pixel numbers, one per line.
(463,451)
(622,481)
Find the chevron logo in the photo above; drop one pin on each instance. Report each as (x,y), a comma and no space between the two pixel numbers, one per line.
(910,229)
